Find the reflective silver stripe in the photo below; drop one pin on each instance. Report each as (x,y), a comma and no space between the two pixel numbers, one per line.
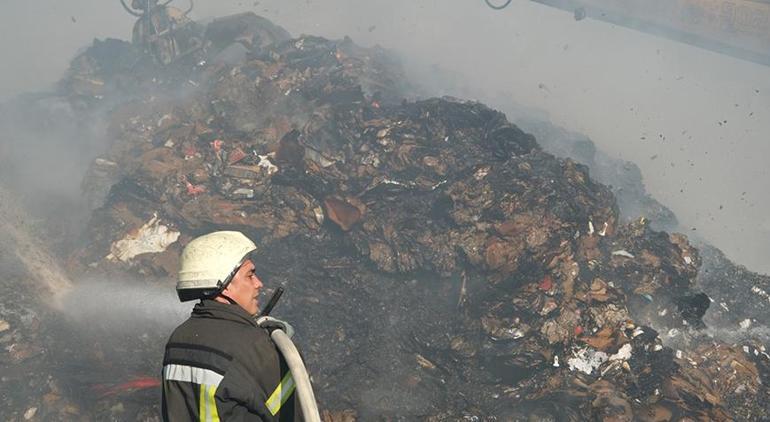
(174,372)
(202,405)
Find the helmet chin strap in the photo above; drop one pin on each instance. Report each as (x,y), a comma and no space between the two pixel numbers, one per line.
(228,298)
(223,285)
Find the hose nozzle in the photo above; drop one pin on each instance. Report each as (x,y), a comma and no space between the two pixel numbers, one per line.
(271,303)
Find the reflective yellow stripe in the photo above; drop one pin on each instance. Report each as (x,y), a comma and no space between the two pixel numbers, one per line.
(207,406)
(213,403)
(281,394)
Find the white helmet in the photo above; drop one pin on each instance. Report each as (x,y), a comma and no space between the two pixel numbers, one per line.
(209,262)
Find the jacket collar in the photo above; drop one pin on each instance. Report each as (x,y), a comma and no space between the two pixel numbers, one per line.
(208,308)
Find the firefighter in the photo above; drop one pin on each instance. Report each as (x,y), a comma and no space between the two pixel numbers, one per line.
(221,364)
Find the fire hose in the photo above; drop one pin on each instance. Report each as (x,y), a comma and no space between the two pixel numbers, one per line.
(298,371)
(293,359)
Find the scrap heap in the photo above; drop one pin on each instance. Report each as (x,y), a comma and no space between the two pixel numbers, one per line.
(439,265)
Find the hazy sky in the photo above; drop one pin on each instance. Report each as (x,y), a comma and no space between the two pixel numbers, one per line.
(613,84)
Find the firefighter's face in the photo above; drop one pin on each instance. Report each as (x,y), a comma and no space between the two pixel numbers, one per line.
(245,287)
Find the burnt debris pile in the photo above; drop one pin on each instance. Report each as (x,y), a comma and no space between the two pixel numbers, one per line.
(438,264)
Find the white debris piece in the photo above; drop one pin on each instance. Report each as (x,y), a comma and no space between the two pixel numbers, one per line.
(688,260)
(604,230)
(746,349)
(761,292)
(394,182)
(267,165)
(556,361)
(163,119)
(438,185)
(624,353)
(319,214)
(622,252)
(590,227)
(745,324)
(679,354)
(586,360)
(724,306)
(244,193)
(310,154)
(481,173)
(30,413)
(101,162)
(152,237)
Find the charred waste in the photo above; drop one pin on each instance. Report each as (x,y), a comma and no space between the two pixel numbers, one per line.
(439,264)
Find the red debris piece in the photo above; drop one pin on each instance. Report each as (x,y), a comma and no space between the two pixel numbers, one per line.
(578,330)
(194,190)
(342,212)
(189,152)
(104,390)
(217,145)
(546,284)
(236,155)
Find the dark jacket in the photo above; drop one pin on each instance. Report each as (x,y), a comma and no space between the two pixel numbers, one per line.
(220,365)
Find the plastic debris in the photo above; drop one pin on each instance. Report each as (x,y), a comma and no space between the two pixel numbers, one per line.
(152,237)
(586,360)
(623,253)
